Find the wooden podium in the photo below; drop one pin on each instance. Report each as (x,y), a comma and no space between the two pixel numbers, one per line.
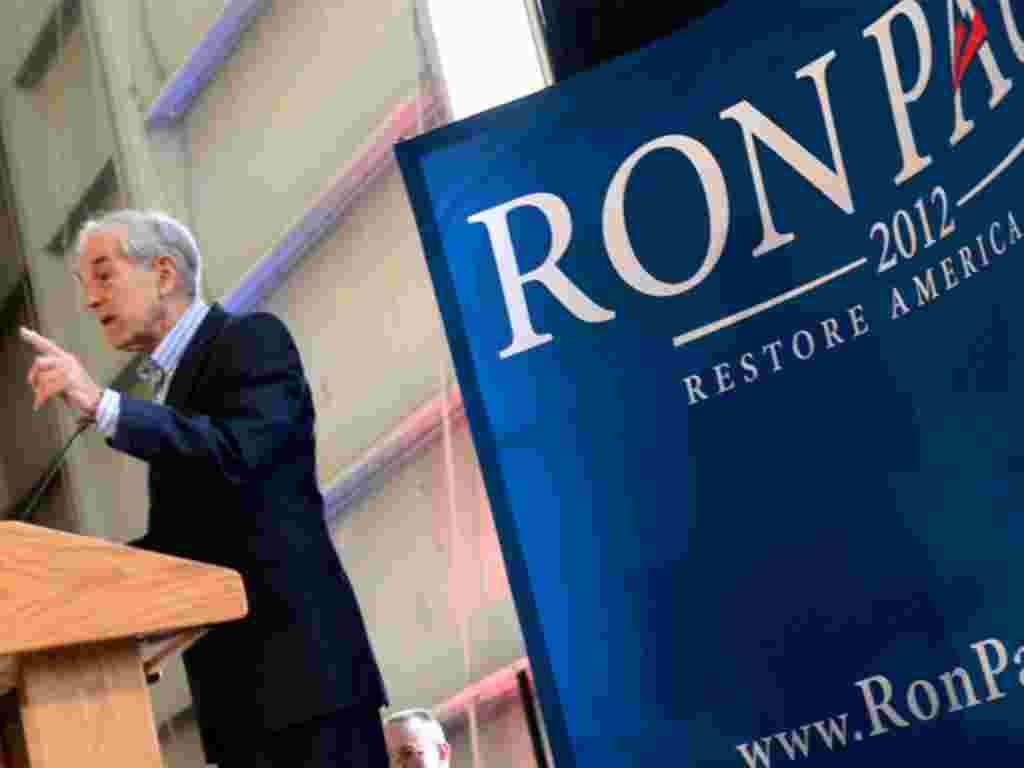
(80,618)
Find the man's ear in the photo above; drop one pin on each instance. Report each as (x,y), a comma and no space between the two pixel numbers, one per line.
(167,270)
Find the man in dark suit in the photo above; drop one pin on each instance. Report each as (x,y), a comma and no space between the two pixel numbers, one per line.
(232,476)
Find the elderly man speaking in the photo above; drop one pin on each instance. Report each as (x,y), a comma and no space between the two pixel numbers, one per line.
(232,477)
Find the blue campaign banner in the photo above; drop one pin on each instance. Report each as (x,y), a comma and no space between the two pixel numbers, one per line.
(736,322)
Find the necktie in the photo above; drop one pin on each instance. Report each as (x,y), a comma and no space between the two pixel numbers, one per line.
(154,375)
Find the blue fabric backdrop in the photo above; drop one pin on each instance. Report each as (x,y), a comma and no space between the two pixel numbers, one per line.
(701,581)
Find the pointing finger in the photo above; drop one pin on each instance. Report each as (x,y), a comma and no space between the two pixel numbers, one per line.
(41,343)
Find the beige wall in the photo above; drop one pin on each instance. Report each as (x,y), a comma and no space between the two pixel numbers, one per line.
(503,738)
(21,462)
(424,559)
(367,324)
(30,439)
(59,137)
(180,744)
(22,21)
(173,30)
(10,257)
(309,83)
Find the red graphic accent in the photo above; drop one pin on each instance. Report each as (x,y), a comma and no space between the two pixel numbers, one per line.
(962,54)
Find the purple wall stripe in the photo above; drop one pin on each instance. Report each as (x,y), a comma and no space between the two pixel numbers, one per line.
(320,220)
(178,96)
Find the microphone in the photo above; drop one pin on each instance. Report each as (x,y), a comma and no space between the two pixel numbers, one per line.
(22,510)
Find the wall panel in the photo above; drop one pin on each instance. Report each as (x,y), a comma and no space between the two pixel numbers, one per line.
(365,318)
(309,84)
(423,556)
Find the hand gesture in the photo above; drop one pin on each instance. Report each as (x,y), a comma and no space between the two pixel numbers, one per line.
(56,372)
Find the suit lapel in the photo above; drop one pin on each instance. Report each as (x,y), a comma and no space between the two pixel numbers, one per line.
(186,375)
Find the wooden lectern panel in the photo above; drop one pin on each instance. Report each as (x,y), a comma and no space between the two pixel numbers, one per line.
(61,589)
(88,706)
(73,610)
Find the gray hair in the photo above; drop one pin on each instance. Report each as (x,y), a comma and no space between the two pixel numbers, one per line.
(421,716)
(151,234)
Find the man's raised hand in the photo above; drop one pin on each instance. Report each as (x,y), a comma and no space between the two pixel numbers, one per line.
(56,372)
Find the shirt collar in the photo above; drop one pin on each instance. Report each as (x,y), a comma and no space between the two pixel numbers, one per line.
(168,353)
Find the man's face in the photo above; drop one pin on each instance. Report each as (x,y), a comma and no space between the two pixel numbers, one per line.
(411,745)
(124,295)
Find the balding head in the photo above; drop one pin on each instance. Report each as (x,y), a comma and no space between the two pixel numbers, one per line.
(145,235)
(416,740)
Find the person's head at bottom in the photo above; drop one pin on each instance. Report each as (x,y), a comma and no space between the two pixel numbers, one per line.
(416,740)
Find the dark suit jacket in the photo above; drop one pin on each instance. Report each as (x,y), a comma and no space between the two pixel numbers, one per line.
(232,481)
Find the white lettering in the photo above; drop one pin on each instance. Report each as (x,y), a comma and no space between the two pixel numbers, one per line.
(693,388)
(747,363)
(860,325)
(761,753)
(899,306)
(992,232)
(834,733)
(809,343)
(773,348)
(875,707)
(990,672)
(949,273)
(616,236)
(833,184)
(800,741)
(926,291)
(556,212)
(723,373)
(915,704)
(1015,233)
(966,684)
(881,30)
(831,328)
(966,258)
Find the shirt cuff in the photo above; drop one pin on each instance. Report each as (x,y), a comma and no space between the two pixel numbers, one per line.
(108,412)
